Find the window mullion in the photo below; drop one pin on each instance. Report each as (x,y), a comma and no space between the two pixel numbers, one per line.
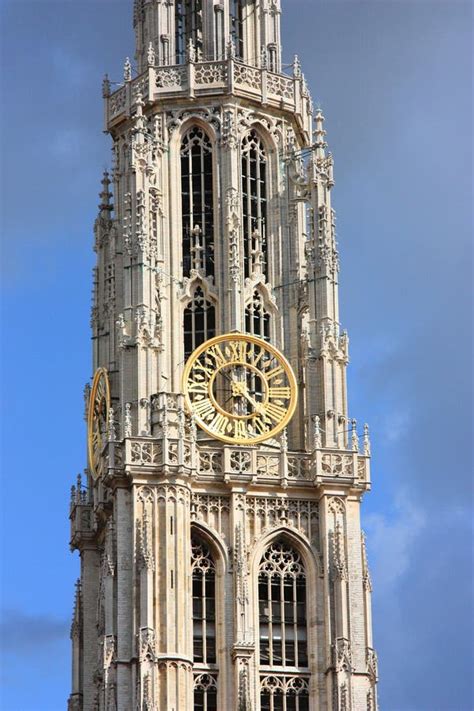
(295,622)
(204,630)
(283,636)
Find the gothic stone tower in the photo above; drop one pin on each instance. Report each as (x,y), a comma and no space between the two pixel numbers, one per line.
(217,575)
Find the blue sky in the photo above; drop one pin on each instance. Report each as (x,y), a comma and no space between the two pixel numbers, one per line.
(394,81)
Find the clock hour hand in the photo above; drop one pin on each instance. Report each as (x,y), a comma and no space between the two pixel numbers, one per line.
(240,388)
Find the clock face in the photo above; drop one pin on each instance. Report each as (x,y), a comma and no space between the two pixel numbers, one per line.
(240,389)
(97,420)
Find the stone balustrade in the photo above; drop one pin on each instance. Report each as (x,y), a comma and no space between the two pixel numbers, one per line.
(203,79)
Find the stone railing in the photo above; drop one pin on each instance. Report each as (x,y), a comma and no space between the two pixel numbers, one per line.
(285,468)
(196,79)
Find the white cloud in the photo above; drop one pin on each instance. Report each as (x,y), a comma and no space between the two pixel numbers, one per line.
(390,542)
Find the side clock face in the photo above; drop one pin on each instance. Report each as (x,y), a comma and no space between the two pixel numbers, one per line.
(240,389)
(97,420)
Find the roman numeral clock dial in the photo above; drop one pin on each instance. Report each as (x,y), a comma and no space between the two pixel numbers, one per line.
(97,420)
(240,389)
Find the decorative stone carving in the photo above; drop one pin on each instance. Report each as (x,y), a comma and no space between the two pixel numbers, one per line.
(337,465)
(342,655)
(210,462)
(146,453)
(339,553)
(147,644)
(240,461)
(372,664)
(365,566)
(145,555)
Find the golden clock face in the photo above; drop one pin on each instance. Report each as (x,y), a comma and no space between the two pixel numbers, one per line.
(240,389)
(97,420)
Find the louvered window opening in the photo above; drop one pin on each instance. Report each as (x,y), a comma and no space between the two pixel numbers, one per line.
(199,322)
(257,319)
(204,603)
(188,23)
(282,608)
(254,202)
(197,203)
(236,27)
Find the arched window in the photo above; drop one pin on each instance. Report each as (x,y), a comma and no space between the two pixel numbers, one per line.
(199,322)
(197,202)
(204,603)
(205,692)
(280,693)
(236,27)
(257,320)
(283,630)
(188,24)
(254,208)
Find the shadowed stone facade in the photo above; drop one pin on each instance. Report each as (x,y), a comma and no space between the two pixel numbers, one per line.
(217,217)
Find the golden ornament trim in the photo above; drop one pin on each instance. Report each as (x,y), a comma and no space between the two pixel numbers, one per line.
(100,376)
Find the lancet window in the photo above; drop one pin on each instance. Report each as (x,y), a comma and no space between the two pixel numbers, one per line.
(188,23)
(236,27)
(254,208)
(199,322)
(204,603)
(283,630)
(257,319)
(197,202)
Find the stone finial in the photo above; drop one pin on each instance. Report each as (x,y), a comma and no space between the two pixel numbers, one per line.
(127,70)
(111,433)
(127,420)
(263,57)
(317,432)
(193,428)
(106,86)
(191,51)
(151,55)
(197,249)
(366,440)
(296,67)
(319,134)
(257,254)
(231,49)
(354,438)
(76,615)
(105,195)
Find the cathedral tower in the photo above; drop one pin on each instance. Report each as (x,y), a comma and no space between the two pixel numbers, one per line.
(223,565)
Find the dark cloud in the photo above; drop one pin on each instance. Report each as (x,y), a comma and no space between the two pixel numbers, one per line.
(25,633)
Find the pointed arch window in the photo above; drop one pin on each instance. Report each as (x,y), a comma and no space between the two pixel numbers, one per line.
(237,27)
(283,630)
(204,603)
(199,322)
(205,692)
(257,319)
(197,204)
(254,207)
(280,693)
(188,24)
